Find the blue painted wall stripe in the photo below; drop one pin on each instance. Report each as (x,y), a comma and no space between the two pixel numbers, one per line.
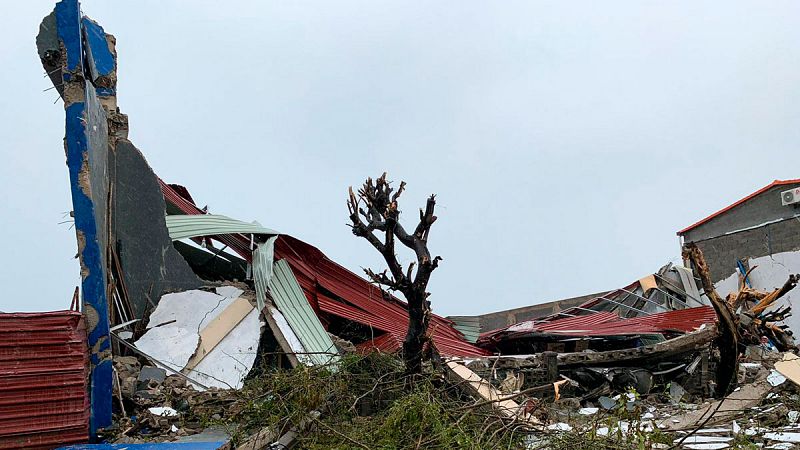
(95,305)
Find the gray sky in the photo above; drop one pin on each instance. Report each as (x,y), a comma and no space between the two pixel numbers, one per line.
(567,141)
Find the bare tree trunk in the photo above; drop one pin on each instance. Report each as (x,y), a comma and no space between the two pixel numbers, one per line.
(728,341)
(413,346)
(380,213)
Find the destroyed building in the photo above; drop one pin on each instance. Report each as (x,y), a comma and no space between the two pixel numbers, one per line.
(763,230)
(180,306)
(199,295)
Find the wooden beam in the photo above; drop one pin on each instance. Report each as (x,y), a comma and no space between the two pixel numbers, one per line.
(217,329)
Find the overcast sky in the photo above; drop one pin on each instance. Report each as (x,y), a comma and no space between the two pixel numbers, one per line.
(567,141)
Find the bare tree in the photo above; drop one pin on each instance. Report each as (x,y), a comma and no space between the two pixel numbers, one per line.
(374,209)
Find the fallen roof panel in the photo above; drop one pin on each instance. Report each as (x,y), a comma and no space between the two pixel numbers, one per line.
(609,324)
(317,275)
(195,225)
(291,301)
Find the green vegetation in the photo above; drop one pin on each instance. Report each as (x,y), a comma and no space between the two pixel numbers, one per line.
(367,402)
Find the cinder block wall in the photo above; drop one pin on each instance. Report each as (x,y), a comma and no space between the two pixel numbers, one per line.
(722,243)
(722,252)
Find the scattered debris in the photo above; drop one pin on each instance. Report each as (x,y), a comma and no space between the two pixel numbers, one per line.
(201,326)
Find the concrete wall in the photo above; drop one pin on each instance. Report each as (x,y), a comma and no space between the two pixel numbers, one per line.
(771,273)
(760,232)
(722,252)
(763,208)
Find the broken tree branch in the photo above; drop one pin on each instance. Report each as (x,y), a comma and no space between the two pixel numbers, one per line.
(728,341)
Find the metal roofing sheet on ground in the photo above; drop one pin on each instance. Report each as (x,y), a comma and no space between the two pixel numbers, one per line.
(292,303)
(609,324)
(43,372)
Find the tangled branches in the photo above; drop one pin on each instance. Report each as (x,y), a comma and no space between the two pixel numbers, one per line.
(365,403)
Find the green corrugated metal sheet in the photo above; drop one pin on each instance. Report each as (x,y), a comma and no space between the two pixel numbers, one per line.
(469,326)
(262,269)
(182,227)
(290,300)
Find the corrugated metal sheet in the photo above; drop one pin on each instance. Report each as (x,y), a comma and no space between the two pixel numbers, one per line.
(469,326)
(387,343)
(357,299)
(44,365)
(263,257)
(568,323)
(609,324)
(680,320)
(189,226)
(292,303)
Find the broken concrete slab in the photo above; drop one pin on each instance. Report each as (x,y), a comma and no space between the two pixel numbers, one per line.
(177,324)
(150,377)
(727,409)
(151,265)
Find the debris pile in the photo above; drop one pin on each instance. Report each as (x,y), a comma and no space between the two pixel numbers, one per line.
(210,326)
(368,401)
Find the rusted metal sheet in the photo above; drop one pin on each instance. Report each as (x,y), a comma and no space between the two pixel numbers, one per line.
(44,363)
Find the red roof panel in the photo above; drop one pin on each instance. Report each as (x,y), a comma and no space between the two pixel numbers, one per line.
(43,372)
(610,324)
(358,300)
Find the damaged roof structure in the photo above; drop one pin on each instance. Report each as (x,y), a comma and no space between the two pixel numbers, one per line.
(194,292)
(180,302)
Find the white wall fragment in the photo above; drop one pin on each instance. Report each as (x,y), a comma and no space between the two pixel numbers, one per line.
(783,437)
(173,336)
(164,411)
(775,378)
(772,273)
(560,426)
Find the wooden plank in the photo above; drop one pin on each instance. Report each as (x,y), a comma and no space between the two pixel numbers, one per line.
(217,329)
(278,334)
(483,389)
(691,342)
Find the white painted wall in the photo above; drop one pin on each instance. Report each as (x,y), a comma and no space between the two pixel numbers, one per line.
(772,272)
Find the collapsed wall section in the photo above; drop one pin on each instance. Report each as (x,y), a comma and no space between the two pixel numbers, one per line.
(151,265)
(116,199)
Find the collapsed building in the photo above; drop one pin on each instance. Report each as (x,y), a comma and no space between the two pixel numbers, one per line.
(759,230)
(213,300)
(197,294)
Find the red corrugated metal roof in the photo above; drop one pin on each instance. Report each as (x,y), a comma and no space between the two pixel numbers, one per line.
(387,343)
(43,372)
(354,298)
(563,324)
(729,207)
(610,324)
(681,320)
